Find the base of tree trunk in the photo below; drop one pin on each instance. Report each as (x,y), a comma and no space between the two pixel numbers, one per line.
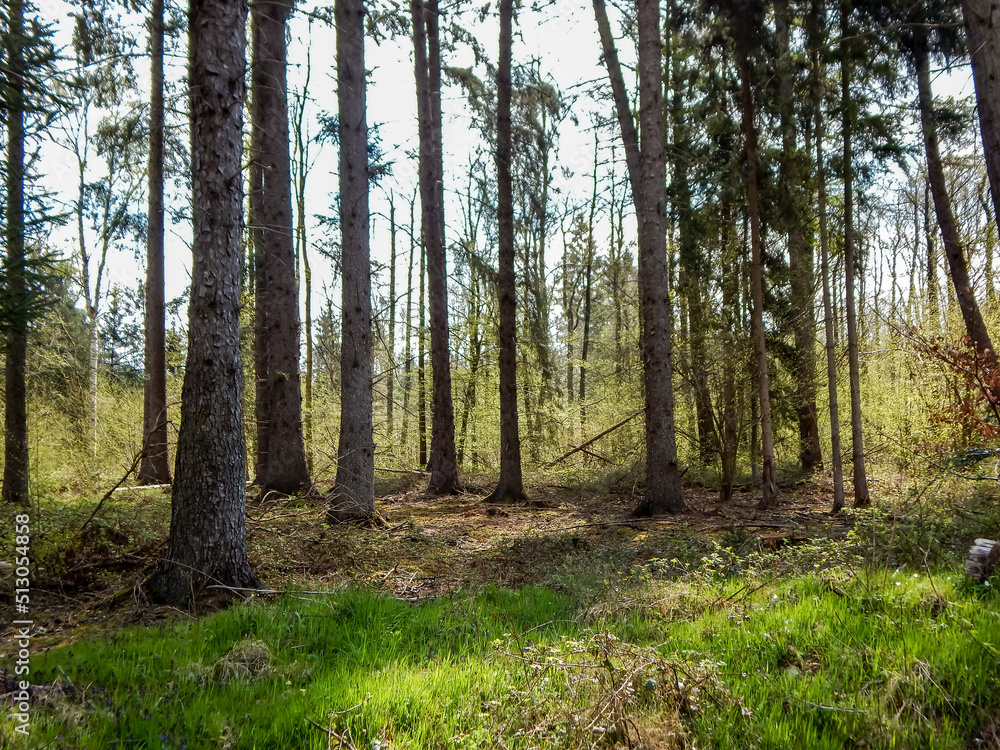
(351,513)
(659,506)
(174,584)
(507,495)
(982,559)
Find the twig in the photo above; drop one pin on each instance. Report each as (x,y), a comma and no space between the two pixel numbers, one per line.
(135,464)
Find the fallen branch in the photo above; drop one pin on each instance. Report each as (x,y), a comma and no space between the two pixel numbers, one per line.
(596,438)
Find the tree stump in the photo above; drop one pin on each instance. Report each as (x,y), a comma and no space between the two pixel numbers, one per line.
(982,559)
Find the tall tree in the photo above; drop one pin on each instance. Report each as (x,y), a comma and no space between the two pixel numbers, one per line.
(15,465)
(207,541)
(819,134)
(861,497)
(443,462)
(982,26)
(281,446)
(647,175)
(800,255)
(510,485)
(919,47)
(354,491)
(741,29)
(155,466)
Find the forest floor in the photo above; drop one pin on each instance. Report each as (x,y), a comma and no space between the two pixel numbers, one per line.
(90,579)
(561,622)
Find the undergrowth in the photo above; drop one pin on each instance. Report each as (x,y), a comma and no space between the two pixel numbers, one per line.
(863,658)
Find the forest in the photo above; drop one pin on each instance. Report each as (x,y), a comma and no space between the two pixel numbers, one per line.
(548,375)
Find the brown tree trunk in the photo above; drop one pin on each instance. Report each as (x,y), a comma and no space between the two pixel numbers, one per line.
(510,485)
(800,256)
(982,26)
(442,463)
(284,459)
(354,491)
(207,542)
(647,174)
(953,251)
(824,244)
(769,485)
(154,467)
(15,465)
(861,497)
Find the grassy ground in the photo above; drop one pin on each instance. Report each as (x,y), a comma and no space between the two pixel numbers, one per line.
(564,625)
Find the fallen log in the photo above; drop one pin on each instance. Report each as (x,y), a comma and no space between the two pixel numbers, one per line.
(982,559)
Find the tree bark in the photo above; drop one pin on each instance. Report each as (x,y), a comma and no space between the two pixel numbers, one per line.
(354,491)
(443,462)
(861,497)
(155,465)
(836,458)
(391,380)
(769,485)
(647,174)
(982,27)
(284,460)
(207,526)
(800,255)
(974,324)
(510,485)
(15,466)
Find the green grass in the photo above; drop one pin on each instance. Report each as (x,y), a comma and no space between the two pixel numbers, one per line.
(866,659)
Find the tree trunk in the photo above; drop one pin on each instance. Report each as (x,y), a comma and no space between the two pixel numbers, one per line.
(769,485)
(861,498)
(647,173)
(408,353)
(155,465)
(510,485)
(824,245)
(391,380)
(933,308)
(443,463)
(207,526)
(974,325)
(354,491)
(982,26)
(284,462)
(799,254)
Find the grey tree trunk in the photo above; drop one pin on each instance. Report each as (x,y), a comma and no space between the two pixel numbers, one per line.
(207,542)
(647,174)
(155,465)
(510,485)
(354,491)
(282,464)
(15,465)
(391,378)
